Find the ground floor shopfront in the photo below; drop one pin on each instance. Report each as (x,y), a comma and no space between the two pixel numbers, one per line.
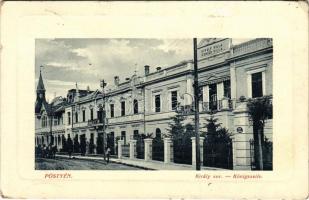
(128,140)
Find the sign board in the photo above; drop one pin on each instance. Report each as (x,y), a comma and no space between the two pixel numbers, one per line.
(212,46)
(239,130)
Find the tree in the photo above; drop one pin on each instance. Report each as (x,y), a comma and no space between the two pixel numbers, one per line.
(76,144)
(181,135)
(100,144)
(91,145)
(259,110)
(177,129)
(217,148)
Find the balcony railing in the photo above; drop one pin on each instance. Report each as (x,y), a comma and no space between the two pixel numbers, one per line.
(60,127)
(94,122)
(219,105)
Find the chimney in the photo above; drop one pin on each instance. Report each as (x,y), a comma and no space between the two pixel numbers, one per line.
(158,68)
(116,80)
(146,70)
(88,89)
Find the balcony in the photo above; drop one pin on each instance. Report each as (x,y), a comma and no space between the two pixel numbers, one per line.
(94,122)
(219,105)
(60,127)
(214,106)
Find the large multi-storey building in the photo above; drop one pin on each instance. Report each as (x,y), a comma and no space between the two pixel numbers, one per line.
(228,74)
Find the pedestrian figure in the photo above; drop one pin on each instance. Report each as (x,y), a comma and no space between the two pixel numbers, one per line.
(108,150)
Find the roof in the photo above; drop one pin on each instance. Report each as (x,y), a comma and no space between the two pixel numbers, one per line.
(90,96)
(40,83)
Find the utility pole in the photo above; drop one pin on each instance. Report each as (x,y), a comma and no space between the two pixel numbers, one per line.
(196,110)
(103,84)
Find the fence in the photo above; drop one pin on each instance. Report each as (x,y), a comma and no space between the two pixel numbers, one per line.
(140,147)
(183,150)
(158,149)
(218,154)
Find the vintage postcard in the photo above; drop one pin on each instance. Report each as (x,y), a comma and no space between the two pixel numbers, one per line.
(154,100)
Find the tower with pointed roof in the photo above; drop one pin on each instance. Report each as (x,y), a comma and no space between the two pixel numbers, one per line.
(40,94)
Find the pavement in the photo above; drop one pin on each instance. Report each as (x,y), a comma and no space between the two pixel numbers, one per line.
(140,163)
(78,164)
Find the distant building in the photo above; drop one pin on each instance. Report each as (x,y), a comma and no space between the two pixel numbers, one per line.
(145,105)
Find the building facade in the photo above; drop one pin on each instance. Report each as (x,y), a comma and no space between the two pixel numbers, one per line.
(228,75)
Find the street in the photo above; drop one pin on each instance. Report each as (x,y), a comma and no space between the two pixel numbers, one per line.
(78,164)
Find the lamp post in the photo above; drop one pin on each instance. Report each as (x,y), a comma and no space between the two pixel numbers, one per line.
(196,102)
(103,84)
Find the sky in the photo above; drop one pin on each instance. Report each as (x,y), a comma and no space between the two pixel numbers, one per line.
(86,61)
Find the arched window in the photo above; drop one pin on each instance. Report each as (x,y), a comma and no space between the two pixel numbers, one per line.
(158,133)
(135,106)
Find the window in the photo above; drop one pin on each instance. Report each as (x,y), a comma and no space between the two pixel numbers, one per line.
(123,108)
(257,85)
(44,121)
(200,94)
(112,110)
(157,103)
(227,88)
(55,121)
(174,100)
(100,115)
(84,115)
(135,134)
(123,136)
(69,118)
(76,117)
(213,96)
(158,133)
(135,106)
(91,113)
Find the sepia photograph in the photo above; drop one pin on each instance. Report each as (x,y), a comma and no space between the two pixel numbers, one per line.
(153,104)
(159,99)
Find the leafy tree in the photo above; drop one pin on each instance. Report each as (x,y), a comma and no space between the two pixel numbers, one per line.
(259,110)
